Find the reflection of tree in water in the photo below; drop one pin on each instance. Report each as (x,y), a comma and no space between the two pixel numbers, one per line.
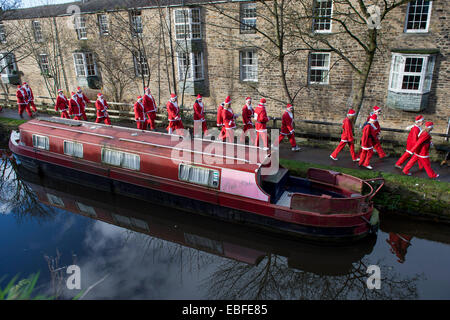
(273,279)
(17,197)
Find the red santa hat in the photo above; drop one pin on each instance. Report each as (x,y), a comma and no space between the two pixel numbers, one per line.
(248,98)
(173,96)
(19,87)
(419,118)
(139,98)
(25,84)
(72,94)
(373,117)
(289,106)
(376,108)
(99,94)
(262,101)
(351,112)
(228,100)
(60,90)
(199,96)
(79,89)
(429,124)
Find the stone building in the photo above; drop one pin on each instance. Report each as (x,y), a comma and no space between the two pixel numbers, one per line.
(221,48)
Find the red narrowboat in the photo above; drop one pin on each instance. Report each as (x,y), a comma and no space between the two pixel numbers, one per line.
(228,181)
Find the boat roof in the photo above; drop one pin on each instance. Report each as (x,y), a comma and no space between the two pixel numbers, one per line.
(198,151)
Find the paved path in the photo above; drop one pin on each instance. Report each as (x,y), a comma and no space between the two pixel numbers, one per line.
(322,156)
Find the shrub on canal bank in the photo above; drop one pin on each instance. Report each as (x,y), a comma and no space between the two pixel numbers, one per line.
(406,195)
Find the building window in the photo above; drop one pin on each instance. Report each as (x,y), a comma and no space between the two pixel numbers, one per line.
(8,64)
(136,23)
(85,65)
(418,16)
(44,65)
(249,65)
(188,24)
(322,12)
(190,65)
(319,68)
(411,73)
(80,27)
(198,175)
(140,65)
(41,142)
(248,17)
(2,33)
(103,24)
(37,31)
(121,159)
(74,149)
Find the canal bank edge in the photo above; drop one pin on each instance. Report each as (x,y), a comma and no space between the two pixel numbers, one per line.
(419,198)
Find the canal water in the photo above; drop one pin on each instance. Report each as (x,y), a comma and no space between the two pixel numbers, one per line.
(131,249)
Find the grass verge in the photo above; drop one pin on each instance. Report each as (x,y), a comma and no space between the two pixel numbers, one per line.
(421,198)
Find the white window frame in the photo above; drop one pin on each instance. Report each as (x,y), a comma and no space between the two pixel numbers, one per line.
(137,26)
(45,66)
(103,25)
(326,68)
(429,61)
(242,66)
(187,25)
(141,64)
(245,26)
(86,70)
(191,74)
(73,154)
(319,19)
(2,33)
(213,175)
(80,27)
(36,142)
(8,68)
(122,156)
(37,31)
(406,30)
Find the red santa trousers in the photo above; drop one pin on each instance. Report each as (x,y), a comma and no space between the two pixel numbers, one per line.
(103,119)
(404,157)
(33,106)
(151,120)
(141,124)
(23,107)
(341,146)
(262,135)
(65,115)
(251,131)
(425,162)
(291,138)
(365,156)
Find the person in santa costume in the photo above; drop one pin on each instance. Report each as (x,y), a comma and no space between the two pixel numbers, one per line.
(287,127)
(173,111)
(199,117)
(83,102)
(139,114)
(62,105)
(102,109)
(368,140)
(30,96)
(411,141)
(220,120)
(22,102)
(346,137)
(422,152)
(150,109)
(229,121)
(247,115)
(74,107)
(377,147)
(261,121)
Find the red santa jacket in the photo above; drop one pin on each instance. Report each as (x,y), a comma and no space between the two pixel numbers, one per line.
(173,111)
(139,111)
(347,133)
(82,101)
(422,146)
(102,108)
(376,123)
(247,115)
(149,103)
(412,138)
(74,107)
(199,112)
(220,115)
(22,97)
(228,118)
(61,103)
(369,137)
(287,123)
(261,118)
(29,94)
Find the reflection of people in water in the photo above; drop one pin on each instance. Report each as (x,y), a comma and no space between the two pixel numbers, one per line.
(399,244)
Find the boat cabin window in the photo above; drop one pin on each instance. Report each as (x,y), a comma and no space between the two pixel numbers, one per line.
(121,159)
(198,175)
(86,209)
(41,142)
(74,149)
(54,200)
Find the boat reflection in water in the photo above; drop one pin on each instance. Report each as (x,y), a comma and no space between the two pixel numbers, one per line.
(237,242)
